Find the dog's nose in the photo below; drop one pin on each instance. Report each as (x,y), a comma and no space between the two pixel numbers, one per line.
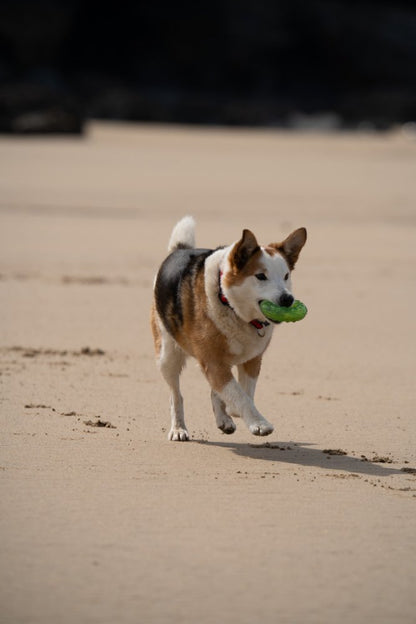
(286,300)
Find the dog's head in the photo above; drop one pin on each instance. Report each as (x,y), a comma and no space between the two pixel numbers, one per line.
(253,273)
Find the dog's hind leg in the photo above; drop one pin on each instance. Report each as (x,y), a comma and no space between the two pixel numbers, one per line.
(171,360)
(224,421)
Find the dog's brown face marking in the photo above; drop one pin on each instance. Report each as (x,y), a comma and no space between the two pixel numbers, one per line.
(271,250)
(245,260)
(236,277)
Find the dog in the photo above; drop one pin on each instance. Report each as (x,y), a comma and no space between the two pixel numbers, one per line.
(206,305)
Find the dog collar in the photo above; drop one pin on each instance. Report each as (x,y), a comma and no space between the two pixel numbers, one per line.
(259,325)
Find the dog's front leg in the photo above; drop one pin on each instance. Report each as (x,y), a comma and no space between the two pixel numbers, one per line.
(224,421)
(248,373)
(236,400)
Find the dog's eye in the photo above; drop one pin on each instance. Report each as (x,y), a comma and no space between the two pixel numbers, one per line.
(286,277)
(261,276)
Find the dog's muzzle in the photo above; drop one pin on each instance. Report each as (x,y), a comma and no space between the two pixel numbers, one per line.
(286,300)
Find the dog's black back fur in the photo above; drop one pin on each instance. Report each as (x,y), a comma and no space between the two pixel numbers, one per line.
(181,266)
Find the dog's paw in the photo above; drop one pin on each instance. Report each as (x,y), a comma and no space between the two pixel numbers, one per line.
(178,434)
(227,426)
(262,428)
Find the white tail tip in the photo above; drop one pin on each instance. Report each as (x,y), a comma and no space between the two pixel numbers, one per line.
(183,234)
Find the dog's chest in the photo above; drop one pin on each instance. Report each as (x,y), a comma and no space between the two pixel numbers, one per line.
(246,343)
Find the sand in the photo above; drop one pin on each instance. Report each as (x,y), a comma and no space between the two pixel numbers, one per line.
(114,524)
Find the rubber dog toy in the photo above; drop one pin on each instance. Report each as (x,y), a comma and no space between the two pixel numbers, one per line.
(296,312)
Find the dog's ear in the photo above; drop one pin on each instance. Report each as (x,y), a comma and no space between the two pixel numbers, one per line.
(243,250)
(291,246)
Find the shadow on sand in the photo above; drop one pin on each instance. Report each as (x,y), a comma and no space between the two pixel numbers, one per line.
(300,454)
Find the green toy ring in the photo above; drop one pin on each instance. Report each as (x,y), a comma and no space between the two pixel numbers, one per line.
(296,312)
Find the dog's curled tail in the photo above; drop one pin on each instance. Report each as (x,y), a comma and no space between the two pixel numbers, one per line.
(183,235)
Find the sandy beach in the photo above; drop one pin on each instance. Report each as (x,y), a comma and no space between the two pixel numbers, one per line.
(116,525)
